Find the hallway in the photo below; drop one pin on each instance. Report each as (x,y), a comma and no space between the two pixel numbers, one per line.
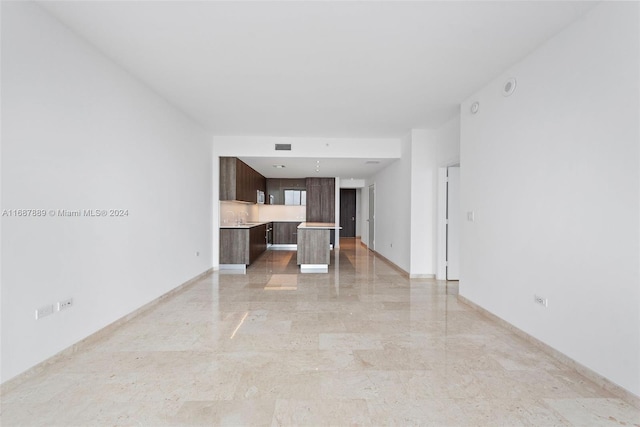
(361,345)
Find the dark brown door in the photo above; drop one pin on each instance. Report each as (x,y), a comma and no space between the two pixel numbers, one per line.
(348,212)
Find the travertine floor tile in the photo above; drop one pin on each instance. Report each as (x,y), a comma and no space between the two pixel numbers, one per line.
(321,412)
(360,345)
(596,412)
(510,412)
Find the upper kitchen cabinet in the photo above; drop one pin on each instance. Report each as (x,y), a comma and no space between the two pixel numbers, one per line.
(239,181)
(286,191)
(321,200)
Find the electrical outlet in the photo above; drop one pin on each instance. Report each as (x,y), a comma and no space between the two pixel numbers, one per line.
(540,300)
(197,253)
(44,311)
(65,304)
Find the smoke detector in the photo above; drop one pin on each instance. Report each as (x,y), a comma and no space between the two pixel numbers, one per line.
(509,87)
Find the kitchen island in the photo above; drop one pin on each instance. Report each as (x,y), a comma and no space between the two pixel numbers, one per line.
(314,251)
(241,244)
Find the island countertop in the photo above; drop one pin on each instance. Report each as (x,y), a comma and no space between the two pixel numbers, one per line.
(244,225)
(318,225)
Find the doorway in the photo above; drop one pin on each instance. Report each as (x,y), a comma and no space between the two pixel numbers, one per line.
(348,212)
(453,223)
(449,223)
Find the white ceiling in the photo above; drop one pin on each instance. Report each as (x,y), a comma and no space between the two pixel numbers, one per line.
(321,69)
(297,167)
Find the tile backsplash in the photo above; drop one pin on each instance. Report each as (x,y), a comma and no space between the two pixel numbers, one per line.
(282,213)
(230,212)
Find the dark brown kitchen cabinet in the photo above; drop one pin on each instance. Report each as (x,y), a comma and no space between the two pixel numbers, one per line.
(257,242)
(277,186)
(321,200)
(242,245)
(234,245)
(273,196)
(285,233)
(239,181)
(243,182)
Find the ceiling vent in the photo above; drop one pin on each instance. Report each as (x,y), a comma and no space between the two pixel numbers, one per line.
(283,147)
(372,162)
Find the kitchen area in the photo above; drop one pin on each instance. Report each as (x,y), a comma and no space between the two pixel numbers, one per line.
(258,214)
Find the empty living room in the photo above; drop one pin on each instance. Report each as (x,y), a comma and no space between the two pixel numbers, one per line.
(320,213)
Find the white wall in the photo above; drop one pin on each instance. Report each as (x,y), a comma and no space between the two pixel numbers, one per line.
(364,215)
(447,143)
(423,149)
(336,213)
(80,133)
(352,183)
(406,199)
(430,149)
(447,154)
(552,174)
(393,209)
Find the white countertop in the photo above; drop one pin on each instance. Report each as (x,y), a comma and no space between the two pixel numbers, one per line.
(251,224)
(245,225)
(319,225)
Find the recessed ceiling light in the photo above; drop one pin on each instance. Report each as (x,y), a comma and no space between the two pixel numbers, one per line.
(278,166)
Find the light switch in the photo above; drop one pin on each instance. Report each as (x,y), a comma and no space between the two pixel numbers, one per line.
(470,216)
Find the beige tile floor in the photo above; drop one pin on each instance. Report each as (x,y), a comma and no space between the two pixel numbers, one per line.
(361,345)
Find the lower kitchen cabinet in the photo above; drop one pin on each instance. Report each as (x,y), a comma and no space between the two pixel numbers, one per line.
(242,245)
(285,233)
(257,242)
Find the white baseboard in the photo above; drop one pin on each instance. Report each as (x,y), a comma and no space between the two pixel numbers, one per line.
(422,276)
